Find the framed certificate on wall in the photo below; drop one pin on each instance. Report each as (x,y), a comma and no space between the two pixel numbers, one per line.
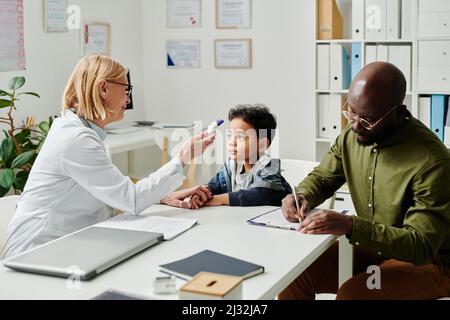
(183,53)
(233,14)
(96,38)
(55,15)
(183,13)
(233,53)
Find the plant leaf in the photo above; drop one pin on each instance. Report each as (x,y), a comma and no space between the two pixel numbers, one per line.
(22,159)
(16,83)
(3,192)
(7,150)
(21,180)
(44,126)
(30,94)
(4,93)
(4,103)
(6,178)
(23,136)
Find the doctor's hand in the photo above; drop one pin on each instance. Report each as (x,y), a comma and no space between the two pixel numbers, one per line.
(192,198)
(289,208)
(195,147)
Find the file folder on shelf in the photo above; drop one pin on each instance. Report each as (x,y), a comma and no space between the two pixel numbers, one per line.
(438,108)
(323,66)
(356,59)
(400,56)
(375,21)
(330,21)
(340,68)
(393,19)
(425,111)
(358,19)
(406,21)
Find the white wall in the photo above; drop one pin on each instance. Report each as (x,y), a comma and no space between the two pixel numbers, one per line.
(282,75)
(51,57)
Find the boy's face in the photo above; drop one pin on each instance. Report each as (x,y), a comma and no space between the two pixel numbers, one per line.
(242,140)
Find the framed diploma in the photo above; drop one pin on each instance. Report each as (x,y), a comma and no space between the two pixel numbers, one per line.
(96,38)
(183,53)
(55,15)
(233,54)
(183,13)
(233,14)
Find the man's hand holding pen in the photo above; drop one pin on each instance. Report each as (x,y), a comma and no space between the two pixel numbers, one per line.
(322,222)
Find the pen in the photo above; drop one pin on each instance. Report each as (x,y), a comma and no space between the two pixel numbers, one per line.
(279,226)
(297,205)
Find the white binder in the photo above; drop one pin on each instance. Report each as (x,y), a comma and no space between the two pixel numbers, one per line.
(324,117)
(400,56)
(358,19)
(371,53)
(382,53)
(340,68)
(393,20)
(375,19)
(407,13)
(323,66)
(335,107)
(425,111)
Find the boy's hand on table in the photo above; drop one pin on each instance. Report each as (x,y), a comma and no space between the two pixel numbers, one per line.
(192,198)
(219,200)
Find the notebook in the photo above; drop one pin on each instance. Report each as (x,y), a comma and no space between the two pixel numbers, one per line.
(115,295)
(211,261)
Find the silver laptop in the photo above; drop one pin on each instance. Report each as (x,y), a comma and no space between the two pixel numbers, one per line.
(85,253)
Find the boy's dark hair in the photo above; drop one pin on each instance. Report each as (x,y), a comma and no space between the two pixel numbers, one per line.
(258,116)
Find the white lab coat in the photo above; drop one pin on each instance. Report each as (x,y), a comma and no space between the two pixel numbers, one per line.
(73,182)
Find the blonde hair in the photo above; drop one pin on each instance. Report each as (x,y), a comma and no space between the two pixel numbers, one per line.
(83,92)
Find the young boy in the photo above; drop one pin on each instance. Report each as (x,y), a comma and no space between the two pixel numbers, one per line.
(251,177)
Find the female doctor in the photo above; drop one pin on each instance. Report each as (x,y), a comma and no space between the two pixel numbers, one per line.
(73,181)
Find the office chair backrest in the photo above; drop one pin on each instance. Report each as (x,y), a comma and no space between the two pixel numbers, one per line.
(7,208)
(294,171)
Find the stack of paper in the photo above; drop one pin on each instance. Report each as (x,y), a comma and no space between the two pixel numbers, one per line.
(169,227)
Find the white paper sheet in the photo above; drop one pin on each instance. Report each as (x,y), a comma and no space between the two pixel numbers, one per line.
(170,227)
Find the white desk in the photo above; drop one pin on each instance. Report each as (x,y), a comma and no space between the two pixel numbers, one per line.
(125,142)
(284,254)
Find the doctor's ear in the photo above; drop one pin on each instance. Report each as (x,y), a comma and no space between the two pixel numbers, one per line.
(103,90)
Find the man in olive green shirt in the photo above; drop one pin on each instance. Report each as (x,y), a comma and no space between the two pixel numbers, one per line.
(398,174)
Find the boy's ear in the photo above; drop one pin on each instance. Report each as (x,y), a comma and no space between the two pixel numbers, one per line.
(263,144)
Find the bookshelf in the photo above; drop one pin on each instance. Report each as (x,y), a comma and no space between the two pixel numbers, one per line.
(425,36)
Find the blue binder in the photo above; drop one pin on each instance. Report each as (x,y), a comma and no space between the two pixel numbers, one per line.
(356,59)
(346,69)
(438,110)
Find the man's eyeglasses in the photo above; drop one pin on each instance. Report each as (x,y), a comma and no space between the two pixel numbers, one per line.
(128,90)
(351,116)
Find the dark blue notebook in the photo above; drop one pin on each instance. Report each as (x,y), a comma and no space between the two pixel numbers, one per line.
(211,261)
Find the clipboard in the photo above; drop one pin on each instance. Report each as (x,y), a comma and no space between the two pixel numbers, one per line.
(276,219)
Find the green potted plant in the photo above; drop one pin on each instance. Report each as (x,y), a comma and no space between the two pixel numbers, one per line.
(19,148)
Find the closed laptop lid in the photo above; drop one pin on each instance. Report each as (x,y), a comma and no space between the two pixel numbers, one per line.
(84,253)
